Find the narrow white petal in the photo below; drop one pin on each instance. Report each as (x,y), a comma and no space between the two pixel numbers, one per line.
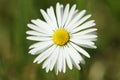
(85,32)
(71,13)
(53,58)
(49,61)
(89,37)
(75,13)
(52,16)
(81,60)
(86,37)
(84,43)
(46,63)
(62,11)
(39,47)
(47,18)
(84,18)
(56,69)
(89,31)
(38,38)
(45,54)
(58,14)
(84,26)
(67,57)
(36,28)
(89,46)
(76,18)
(80,22)
(75,52)
(78,41)
(82,51)
(65,14)
(42,25)
(35,33)
(45,26)
(59,63)
(76,65)
(75,59)
(40,44)
(64,62)
(48,67)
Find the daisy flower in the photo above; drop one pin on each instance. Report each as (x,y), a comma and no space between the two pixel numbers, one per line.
(61,37)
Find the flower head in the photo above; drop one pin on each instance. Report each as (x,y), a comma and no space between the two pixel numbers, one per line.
(61,36)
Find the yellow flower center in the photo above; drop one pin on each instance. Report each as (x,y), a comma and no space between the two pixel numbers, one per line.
(61,37)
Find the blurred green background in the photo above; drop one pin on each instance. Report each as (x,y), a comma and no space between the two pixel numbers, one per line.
(16,63)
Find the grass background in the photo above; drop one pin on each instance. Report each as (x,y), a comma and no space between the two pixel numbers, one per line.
(16,63)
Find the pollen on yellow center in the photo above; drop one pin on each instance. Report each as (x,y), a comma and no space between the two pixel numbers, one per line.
(60,37)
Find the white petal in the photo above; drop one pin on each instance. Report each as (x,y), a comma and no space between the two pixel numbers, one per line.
(64,64)
(58,14)
(84,43)
(80,21)
(48,67)
(54,58)
(75,52)
(85,32)
(81,60)
(47,18)
(40,44)
(59,62)
(89,37)
(42,25)
(75,59)
(62,11)
(67,57)
(79,41)
(63,59)
(35,33)
(76,18)
(36,28)
(46,63)
(39,47)
(52,16)
(71,13)
(38,38)
(56,69)
(85,37)
(65,14)
(44,55)
(88,46)
(82,51)
(84,26)
(75,13)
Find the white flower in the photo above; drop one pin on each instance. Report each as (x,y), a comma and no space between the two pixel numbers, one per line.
(61,36)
